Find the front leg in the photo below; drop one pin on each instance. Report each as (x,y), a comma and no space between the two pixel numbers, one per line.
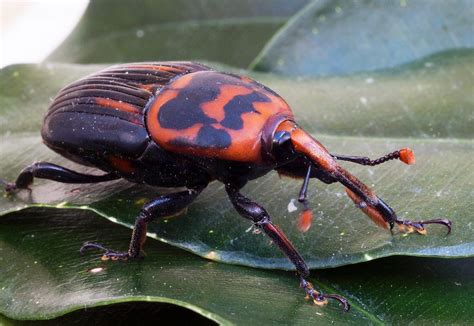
(256,213)
(382,214)
(162,206)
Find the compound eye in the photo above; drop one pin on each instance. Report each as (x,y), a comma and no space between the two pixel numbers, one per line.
(282,148)
(281,137)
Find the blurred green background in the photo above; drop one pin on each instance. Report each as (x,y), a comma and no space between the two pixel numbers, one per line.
(365,77)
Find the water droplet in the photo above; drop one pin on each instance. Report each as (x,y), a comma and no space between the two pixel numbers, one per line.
(291,206)
(60,205)
(95,270)
(212,255)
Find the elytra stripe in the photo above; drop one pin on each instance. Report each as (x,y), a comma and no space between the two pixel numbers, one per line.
(121,164)
(159,68)
(122,106)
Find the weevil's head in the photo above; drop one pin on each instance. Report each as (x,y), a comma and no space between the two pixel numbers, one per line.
(298,155)
(293,150)
(297,152)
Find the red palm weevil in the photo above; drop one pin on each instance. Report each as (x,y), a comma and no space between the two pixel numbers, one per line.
(182,124)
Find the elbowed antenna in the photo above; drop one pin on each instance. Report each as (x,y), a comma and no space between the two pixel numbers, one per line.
(405,155)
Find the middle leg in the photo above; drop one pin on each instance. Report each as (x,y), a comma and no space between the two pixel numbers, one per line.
(162,206)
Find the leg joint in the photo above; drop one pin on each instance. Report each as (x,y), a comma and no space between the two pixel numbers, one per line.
(145,215)
(261,220)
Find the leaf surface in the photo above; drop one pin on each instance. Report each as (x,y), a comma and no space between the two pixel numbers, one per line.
(343,37)
(231,32)
(439,186)
(42,276)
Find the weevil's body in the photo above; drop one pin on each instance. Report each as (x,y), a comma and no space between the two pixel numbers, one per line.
(181,124)
(167,124)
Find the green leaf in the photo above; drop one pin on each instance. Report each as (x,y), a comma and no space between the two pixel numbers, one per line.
(228,31)
(65,281)
(343,37)
(42,276)
(430,98)
(123,313)
(427,108)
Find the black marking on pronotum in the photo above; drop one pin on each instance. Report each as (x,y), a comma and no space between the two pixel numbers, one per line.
(237,106)
(185,111)
(208,137)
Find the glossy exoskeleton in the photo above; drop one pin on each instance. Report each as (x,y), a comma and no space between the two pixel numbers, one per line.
(181,124)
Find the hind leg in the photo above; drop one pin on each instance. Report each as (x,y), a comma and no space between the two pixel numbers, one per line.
(44,170)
